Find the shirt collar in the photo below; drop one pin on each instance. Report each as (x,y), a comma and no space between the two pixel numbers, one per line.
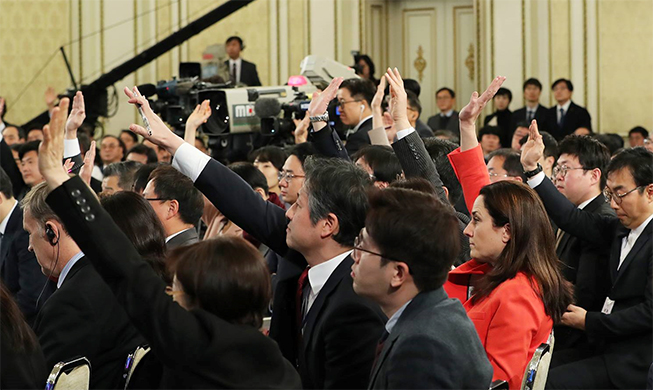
(534,109)
(588,201)
(64,272)
(170,237)
(448,113)
(319,274)
(565,107)
(639,229)
(3,224)
(361,123)
(395,317)
(237,61)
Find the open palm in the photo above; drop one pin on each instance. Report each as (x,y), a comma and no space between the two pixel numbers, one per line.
(473,109)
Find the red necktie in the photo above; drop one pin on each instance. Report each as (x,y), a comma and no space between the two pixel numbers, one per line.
(301,283)
(379,347)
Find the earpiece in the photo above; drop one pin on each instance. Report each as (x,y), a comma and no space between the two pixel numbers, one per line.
(362,108)
(51,236)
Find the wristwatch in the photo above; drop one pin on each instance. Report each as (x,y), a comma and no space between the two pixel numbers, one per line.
(320,118)
(534,172)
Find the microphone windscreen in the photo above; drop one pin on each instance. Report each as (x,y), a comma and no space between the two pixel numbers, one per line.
(267,107)
(147,90)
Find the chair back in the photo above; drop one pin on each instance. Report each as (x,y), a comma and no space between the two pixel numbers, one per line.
(537,369)
(74,375)
(148,374)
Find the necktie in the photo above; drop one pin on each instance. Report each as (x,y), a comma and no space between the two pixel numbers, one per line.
(379,347)
(630,241)
(234,74)
(562,116)
(444,120)
(301,285)
(529,115)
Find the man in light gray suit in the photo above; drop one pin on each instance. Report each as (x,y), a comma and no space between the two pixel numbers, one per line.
(447,119)
(429,340)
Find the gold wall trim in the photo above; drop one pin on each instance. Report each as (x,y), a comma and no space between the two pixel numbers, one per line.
(308,26)
(478,44)
(361,26)
(335,30)
(492,38)
(585,48)
(135,2)
(179,28)
(550,55)
(598,71)
(523,39)
(278,22)
(81,58)
(570,36)
(102,36)
(455,51)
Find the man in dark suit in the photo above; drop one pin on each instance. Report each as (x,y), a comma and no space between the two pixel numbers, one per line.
(177,203)
(447,119)
(533,109)
(402,268)
(566,116)
(81,318)
(240,71)
(354,101)
(580,177)
(621,333)
(19,269)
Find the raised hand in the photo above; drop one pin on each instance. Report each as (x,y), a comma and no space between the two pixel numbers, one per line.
(377,112)
(398,99)
(320,101)
(301,129)
(158,133)
(473,109)
(50,98)
(200,115)
(51,148)
(533,149)
(89,161)
(76,117)
(2,107)
(68,165)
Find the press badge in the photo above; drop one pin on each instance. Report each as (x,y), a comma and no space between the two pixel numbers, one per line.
(607,306)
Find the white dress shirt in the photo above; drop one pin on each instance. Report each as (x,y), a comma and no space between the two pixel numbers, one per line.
(319,274)
(565,108)
(3,224)
(629,241)
(239,66)
(170,237)
(530,112)
(64,272)
(395,317)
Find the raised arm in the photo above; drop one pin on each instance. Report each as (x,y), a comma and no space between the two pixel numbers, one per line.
(468,161)
(326,141)
(200,115)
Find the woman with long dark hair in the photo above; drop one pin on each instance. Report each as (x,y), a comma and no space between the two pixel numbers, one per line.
(21,361)
(512,288)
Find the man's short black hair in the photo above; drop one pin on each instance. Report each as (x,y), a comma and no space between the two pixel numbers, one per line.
(504,92)
(32,146)
(511,162)
(146,151)
(142,176)
(360,89)
(171,184)
(125,170)
(447,135)
(638,161)
(532,81)
(20,130)
(413,102)
(613,142)
(382,160)
(438,150)
(272,154)
(337,186)
(590,152)
(412,85)
(640,130)
(570,86)
(6,188)
(451,92)
(550,144)
(252,175)
(235,38)
(302,151)
(489,130)
(131,134)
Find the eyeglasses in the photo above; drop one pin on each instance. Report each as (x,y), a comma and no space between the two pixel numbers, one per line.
(288,176)
(153,199)
(341,103)
(618,198)
(358,249)
(494,174)
(563,169)
(648,141)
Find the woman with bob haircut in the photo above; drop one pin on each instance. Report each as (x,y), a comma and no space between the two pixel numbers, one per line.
(512,288)
(209,336)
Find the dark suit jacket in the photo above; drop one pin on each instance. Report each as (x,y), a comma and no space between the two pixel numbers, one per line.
(188,237)
(504,122)
(433,345)
(339,342)
(20,271)
(453,124)
(423,129)
(8,163)
(624,337)
(586,266)
(198,349)
(248,73)
(541,115)
(575,117)
(83,318)
(360,138)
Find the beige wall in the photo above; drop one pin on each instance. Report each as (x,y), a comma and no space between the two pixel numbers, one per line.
(605,46)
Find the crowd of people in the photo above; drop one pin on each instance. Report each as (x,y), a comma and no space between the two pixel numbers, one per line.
(410,255)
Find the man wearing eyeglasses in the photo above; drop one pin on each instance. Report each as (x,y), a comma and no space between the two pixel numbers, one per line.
(429,342)
(621,333)
(354,101)
(580,177)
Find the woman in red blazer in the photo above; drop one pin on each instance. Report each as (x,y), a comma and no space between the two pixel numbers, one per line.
(512,289)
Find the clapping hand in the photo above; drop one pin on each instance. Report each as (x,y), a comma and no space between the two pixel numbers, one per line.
(158,132)
(320,101)
(533,149)
(76,117)
(51,148)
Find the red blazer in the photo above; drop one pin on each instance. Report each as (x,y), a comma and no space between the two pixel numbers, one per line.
(511,320)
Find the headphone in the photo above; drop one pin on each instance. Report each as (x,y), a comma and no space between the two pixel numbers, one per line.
(362,108)
(51,235)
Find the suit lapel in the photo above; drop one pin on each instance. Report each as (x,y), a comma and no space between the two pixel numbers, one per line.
(616,251)
(12,229)
(331,284)
(387,346)
(642,241)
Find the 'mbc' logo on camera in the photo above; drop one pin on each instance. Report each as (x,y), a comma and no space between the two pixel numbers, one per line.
(243,110)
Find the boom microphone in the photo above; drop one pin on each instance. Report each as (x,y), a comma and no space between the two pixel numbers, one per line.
(267,107)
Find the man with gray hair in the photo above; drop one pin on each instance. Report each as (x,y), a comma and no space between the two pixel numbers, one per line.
(119,177)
